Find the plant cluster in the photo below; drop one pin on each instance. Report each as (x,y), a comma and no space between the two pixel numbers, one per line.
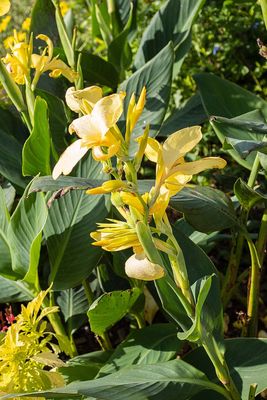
(85,238)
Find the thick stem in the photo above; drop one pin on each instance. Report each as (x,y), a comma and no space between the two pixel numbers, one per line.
(262,239)
(254,289)
(88,291)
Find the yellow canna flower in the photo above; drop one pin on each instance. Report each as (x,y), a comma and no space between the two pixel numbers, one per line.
(94,133)
(83,100)
(18,62)
(26,24)
(108,187)
(172,171)
(46,62)
(10,40)
(4,23)
(138,266)
(4,7)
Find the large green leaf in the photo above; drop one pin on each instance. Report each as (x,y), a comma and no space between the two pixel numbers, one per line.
(43,20)
(10,160)
(58,119)
(247,362)
(36,150)
(97,70)
(25,235)
(48,184)
(226,99)
(151,345)
(205,208)
(9,193)
(171,23)
(14,291)
(74,305)
(13,125)
(4,214)
(190,114)
(71,218)
(171,380)
(156,76)
(112,307)
(5,257)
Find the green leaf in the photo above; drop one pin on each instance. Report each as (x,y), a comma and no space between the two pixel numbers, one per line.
(156,76)
(96,70)
(10,160)
(48,184)
(43,20)
(74,305)
(10,194)
(25,235)
(171,380)
(205,208)
(112,307)
(190,114)
(4,214)
(14,291)
(13,125)
(119,51)
(172,22)
(151,345)
(84,367)
(5,257)
(246,359)
(247,196)
(226,99)
(36,150)
(71,218)
(58,119)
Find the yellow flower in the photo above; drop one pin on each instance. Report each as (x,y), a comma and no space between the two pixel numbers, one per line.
(18,62)
(26,24)
(4,23)
(83,100)
(64,7)
(172,171)
(108,187)
(94,133)
(46,62)
(4,7)
(10,40)
(135,110)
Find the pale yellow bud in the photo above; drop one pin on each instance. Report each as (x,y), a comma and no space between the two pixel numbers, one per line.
(138,266)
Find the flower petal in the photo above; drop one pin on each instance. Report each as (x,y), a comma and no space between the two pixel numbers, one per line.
(99,155)
(108,187)
(86,129)
(74,97)
(180,143)
(153,150)
(107,111)
(138,266)
(69,159)
(194,167)
(4,7)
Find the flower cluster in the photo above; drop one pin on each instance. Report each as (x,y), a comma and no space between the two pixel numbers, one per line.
(97,129)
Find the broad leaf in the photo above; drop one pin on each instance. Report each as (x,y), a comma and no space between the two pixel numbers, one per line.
(25,235)
(36,150)
(156,76)
(4,214)
(112,307)
(48,184)
(205,208)
(151,345)
(190,114)
(10,194)
(74,305)
(247,196)
(171,380)
(171,23)
(43,20)
(226,99)
(14,291)
(71,218)
(96,70)
(246,359)
(5,257)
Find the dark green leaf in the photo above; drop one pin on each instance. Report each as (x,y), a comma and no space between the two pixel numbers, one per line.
(151,345)
(171,23)
(43,20)
(36,150)
(9,193)
(71,218)
(192,113)
(74,305)
(98,71)
(111,308)
(156,76)
(205,208)
(14,291)
(247,196)
(48,184)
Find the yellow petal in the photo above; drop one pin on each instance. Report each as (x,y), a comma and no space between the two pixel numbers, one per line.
(69,159)
(107,111)
(50,46)
(4,7)
(86,128)
(194,167)
(153,150)
(176,182)
(99,155)
(107,187)
(74,97)
(131,200)
(58,67)
(180,143)
(138,266)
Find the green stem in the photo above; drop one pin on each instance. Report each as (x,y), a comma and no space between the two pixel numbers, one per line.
(104,341)
(252,391)
(254,288)
(140,320)
(263,4)
(237,249)
(262,239)
(88,291)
